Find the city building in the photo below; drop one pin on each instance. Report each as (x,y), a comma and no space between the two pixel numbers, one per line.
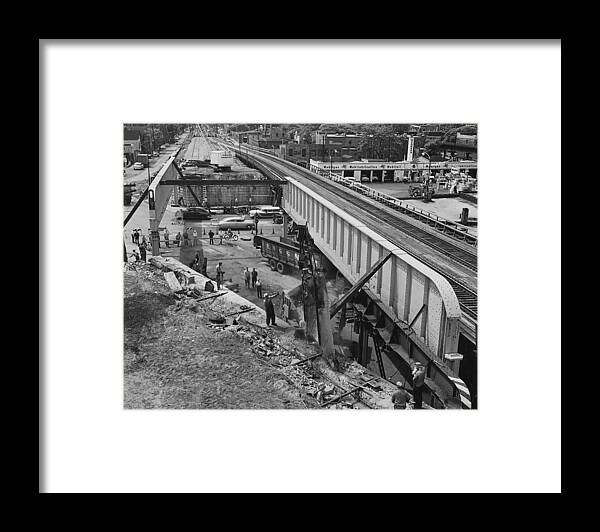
(378,171)
(302,153)
(267,136)
(132,143)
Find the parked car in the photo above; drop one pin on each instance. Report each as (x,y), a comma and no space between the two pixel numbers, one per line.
(236,222)
(254,212)
(138,166)
(194,213)
(190,162)
(265,212)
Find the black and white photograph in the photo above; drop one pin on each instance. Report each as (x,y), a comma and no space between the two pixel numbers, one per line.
(300,266)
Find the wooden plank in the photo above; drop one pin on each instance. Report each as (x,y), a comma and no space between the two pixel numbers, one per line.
(346,393)
(212,296)
(358,285)
(306,359)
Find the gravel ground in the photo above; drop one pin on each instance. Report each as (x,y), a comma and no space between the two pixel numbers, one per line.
(174,358)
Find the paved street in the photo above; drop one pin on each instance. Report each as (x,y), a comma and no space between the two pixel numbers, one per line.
(141,176)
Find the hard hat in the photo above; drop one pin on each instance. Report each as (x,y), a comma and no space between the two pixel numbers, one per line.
(399,384)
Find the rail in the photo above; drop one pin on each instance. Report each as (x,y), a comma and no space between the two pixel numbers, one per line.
(464,257)
(454,229)
(466,297)
(448,227)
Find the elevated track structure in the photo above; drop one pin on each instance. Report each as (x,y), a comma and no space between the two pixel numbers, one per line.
(423,312)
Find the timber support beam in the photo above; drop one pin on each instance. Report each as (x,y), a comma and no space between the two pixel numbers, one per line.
(333,310)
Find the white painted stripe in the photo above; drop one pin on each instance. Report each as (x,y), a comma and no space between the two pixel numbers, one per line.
(463,389)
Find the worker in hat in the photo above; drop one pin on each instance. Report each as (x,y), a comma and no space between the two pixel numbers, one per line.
(270,310)
(400,397)
(418,375)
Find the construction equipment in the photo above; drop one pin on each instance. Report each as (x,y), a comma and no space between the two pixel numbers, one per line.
(422,191)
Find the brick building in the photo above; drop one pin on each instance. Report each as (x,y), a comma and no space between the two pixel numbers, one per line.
(132,143)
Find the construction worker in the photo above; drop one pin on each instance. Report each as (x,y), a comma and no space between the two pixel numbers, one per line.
(186,237)
(211,237)
(167,238)
(270,310)
(195,235)
(196,263)
(418,375)
(220,274)
(400,397)
(254,277)
(259,293)
(178,238)
(136,255)
(142,247)
(247,277)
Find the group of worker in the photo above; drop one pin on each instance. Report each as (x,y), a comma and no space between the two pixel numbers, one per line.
(138,238)
(251,280)
(401,398)
(211,236)
(189,237)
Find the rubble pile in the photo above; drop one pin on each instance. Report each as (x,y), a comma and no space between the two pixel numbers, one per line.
(308,378)
(207,347)
(265,346)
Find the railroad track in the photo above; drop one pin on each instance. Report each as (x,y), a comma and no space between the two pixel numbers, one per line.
(467,298)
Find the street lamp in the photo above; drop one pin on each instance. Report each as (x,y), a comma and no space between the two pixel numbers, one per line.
(426,191)
(428,157)
(330,161)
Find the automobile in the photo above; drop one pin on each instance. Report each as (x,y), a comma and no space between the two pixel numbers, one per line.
(269,211)
(236,222)
(265,212)
(154,154)
(194,213)
(190,162)
(138,166)
(254,212)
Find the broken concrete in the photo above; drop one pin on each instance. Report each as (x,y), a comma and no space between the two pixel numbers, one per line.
(301,376)
(229,302)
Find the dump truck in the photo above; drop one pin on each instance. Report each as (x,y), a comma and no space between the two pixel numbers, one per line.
(142,158)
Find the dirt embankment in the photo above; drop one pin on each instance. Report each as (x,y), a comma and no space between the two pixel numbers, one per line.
(175,358)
